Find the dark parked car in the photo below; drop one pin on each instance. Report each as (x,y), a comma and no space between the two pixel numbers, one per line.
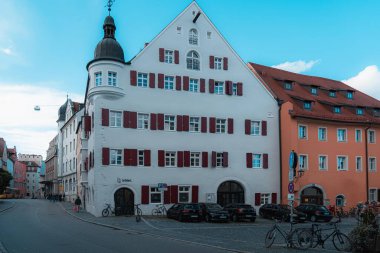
(239,211)
(281,212)
(185,211)
(213,212)
(315,212)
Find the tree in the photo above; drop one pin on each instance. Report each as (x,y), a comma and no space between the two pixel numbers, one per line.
(5,178)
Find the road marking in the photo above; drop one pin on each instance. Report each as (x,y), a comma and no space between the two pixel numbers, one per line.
(2,248)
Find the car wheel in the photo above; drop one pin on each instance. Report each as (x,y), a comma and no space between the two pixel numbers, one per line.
(313,218)
(180,218)
(261,214)
(207,218)
(234,217)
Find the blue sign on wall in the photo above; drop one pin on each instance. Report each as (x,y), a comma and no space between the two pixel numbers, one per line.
(293,159)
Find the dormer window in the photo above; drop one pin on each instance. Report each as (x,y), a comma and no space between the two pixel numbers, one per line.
(193,37)
(332,93)
(359,111)
(307,105)
(350,95)
(288,85)
(337,109)
(314,90)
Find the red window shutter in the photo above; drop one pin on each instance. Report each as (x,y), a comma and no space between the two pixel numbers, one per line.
(161,82)
(133,120)
(174,194)
(187,158)
(176,56)
(153,121)
(105,156)
(204,124)
(179,123)
(86,164)
(105,117)
(265,161)
(194,193)
(134,157)
(247,127)
(230,126)
(152,80)
(160,121)
(211,85)
(203,85)
(212,125)
(185,123)
(167,196)
(126,157)
(225,63)
(133,77)
(162,54)
(240,89)
(213,159)
(179,159)
(178,83)
(87,123)
(228,87)
(161,158)
(204,159)
(144,194)
(274,198)
(147,158)
(211,62)
(249,160)
(225,159)
(263,128)
(257,199)
(126,119)
(186,81)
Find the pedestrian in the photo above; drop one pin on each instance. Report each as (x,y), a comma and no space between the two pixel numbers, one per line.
(77,203)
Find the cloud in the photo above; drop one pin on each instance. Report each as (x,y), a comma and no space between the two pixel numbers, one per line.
(30,131)
(367,81)
(296,66)
(7,51)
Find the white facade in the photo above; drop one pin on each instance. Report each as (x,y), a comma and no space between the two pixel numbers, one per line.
(254,104)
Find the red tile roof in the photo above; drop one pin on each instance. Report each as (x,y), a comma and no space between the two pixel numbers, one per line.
(322,105)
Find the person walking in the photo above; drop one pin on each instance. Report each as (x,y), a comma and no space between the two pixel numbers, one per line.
(77,203)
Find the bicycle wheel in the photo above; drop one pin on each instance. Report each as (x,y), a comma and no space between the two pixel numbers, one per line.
(304,238)
(105,212)
(138,215)
(154,212)
(342,242)
(269,238)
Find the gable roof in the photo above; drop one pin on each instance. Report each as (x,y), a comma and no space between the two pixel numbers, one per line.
(322,104)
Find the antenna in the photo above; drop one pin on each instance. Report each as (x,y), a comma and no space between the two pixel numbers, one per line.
(109,5)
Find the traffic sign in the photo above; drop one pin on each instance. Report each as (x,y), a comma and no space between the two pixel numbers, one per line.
(291,175)
(293,159)
(291,187)
(291,196)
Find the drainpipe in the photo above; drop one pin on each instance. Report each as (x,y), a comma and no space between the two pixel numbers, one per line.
(279,102)
(366,162)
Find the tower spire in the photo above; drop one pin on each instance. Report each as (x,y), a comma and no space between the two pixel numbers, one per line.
(109,5)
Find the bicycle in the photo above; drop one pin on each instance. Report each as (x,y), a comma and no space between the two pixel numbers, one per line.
(295,238)
(107,210)
(159,210)
(340,240)
(138,213)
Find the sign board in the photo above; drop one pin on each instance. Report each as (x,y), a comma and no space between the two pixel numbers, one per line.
(291,176)
(291,196)
(293,159)
(291,187)
(162,186)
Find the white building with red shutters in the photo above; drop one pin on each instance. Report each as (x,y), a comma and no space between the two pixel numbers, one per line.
(185,113)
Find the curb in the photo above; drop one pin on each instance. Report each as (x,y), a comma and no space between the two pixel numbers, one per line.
(5,209)
(154,235)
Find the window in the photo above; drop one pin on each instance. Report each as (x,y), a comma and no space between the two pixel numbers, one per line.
(288,85)
(115,156)
(323,162)
(255,127)
(193,37)
(350,94)
(115,119)
(179,29)
(208,35)
(192,60)
(169,83)
(358,163)
(339,200)
(371,136)
(219,159)
(332,93)
(170,159)
(337,109)
(142,80)
(195,159)
(342,163)
(194,124)
(183,194)
(314,90)
(169,123)
(142,121)
(194,87)
(359,111)
(372,195)
(219,88)
(322,134)
(155,195)
(302,132)
(358,135)
(98,78)
(372,163)
(141,157)
(112,78)
(264,198)
(256,161)
(234,89)
(341,135)
(218,63)
(169,56)
(307,105)
(220,126)
(302,162)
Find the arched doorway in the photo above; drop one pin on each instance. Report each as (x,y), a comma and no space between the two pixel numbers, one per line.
(124,202)
(312,195)
(230,192)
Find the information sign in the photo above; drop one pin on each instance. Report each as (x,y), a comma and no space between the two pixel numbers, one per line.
(291,196)
(291,187)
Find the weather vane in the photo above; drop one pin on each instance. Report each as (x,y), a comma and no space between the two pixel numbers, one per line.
(109,5)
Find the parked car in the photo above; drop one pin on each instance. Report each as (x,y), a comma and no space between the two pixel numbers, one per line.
(185,211)
(241,211)
(315,212)
(281,212)
(213,212)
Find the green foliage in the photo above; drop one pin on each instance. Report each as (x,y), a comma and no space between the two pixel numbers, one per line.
(363,237)
(5,178)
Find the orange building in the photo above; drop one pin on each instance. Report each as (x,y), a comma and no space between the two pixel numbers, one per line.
(333,129)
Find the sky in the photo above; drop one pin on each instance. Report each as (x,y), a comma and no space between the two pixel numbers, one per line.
(45,46)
